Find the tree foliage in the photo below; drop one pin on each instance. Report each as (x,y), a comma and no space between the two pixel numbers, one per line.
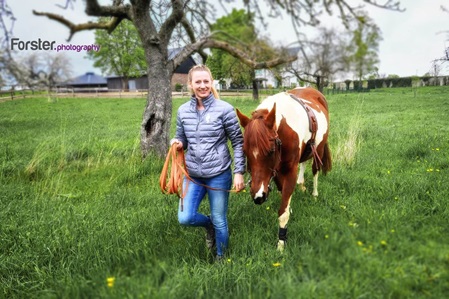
(121,52)
(236,27)
(364,45)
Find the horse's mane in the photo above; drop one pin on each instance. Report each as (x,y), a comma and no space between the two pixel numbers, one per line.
(257,135)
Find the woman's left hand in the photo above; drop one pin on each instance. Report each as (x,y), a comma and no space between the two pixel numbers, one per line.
(239,183)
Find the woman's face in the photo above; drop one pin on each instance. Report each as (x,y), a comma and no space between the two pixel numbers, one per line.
(201,84)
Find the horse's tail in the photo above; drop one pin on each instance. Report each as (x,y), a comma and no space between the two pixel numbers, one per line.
(326,159)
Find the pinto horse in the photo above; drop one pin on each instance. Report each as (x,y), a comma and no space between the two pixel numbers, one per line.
(285,130)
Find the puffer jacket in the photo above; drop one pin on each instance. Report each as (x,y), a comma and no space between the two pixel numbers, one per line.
(204,135)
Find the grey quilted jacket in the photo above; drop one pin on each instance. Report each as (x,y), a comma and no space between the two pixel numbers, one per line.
(204,134)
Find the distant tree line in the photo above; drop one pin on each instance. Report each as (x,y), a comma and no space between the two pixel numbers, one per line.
(413,81)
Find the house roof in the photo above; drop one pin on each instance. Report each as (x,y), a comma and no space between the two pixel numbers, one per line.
(89,78)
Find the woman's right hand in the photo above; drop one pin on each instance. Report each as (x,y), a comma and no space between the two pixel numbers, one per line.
(178,143)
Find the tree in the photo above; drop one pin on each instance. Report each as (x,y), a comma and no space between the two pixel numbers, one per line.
(121,52)
(238,28)
(365,45)
(321,58)
(160,23)
(40,70)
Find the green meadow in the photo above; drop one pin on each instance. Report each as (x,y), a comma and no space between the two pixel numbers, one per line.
(82,216)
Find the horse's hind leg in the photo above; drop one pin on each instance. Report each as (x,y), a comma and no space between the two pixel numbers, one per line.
(315,184)
(300,181)
(315,172)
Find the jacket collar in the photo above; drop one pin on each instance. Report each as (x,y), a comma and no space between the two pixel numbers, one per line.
(206,102)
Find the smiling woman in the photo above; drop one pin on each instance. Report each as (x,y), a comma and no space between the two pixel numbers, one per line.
(203,127)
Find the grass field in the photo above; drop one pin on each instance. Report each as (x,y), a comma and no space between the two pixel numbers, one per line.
(81,216)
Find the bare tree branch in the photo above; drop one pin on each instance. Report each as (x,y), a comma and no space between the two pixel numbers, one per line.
(208,42)
(173,20)
(74,28)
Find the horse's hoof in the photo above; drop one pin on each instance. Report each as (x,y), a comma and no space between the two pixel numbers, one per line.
(302,187)
(281,246)
(315,194)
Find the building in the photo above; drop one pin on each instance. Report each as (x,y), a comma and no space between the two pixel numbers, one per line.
(89,82)
(141,83)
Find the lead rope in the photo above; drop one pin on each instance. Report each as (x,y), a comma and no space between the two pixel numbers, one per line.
(173,170)
(174,165)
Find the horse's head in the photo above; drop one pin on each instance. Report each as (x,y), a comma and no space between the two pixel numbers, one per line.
(261,146)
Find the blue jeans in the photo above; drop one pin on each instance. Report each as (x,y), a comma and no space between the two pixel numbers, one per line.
(218,201)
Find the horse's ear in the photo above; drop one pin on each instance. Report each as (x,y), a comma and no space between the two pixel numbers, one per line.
(271,117)
(244,120)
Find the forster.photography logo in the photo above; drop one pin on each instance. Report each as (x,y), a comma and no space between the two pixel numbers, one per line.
(45,45)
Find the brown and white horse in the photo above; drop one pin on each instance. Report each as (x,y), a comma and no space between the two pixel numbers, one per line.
(285,130)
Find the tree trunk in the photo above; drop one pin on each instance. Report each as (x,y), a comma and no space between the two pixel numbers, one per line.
(319,84)
(255,86)
(255,90)
(125,85)
(155,127)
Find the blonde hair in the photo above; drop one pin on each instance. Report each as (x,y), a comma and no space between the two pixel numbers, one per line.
(202,67)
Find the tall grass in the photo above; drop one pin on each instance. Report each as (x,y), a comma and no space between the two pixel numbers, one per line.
(79,206)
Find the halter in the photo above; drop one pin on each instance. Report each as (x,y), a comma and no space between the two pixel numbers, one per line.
(277,155)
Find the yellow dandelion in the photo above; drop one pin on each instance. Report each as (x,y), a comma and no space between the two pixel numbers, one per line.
(392,231)
(326,236)
(276,264)
(110,281)
(353,224)
(268,208)
(383,243)
(229,260)
(359,243)
(396,198)
(437,149)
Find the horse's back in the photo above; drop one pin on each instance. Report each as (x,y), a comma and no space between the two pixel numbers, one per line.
(311,94)
(295,114)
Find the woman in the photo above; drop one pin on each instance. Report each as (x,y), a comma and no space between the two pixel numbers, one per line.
(203,127)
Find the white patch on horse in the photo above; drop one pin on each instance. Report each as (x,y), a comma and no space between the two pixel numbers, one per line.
(260,192)
(255,153)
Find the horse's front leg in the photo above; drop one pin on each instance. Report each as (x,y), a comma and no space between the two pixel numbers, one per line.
(288,186)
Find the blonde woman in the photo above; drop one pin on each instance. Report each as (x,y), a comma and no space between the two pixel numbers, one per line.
(204,126)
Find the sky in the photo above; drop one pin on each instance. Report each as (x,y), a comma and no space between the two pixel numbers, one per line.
(411,39)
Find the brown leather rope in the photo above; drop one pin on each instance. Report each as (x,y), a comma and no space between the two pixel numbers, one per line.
(174,165)
(174,169)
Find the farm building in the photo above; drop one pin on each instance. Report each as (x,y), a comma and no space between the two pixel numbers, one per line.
(139,83)
(87,82)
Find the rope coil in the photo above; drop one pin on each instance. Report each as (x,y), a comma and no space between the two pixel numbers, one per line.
(171,178)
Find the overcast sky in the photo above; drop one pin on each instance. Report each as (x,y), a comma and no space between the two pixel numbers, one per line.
(411,39)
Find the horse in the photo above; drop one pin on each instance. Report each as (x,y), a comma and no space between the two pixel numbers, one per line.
(286,129)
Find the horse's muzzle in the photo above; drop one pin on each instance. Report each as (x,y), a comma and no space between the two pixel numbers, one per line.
(261,199)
